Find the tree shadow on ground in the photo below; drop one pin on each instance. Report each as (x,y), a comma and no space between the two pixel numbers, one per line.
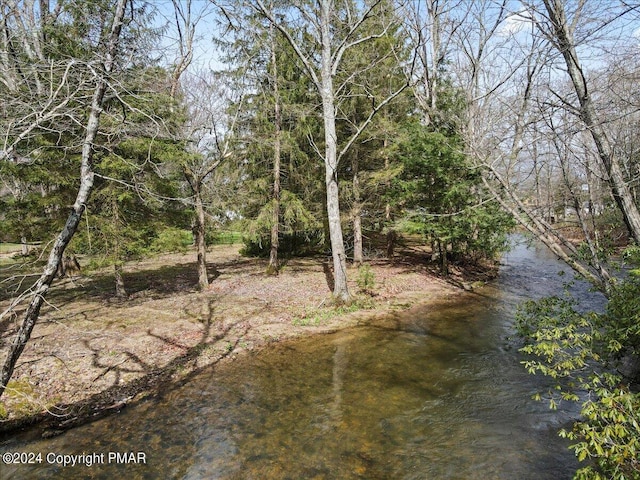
(461,272)
(156,380)
(328,274)
(160,280)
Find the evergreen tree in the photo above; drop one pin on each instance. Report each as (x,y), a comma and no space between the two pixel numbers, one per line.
(135,194)
(282,204)
(322,35)
(138,117)
(442,196)
(367,170)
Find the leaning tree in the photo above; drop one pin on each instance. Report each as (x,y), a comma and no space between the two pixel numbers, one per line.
(45,92)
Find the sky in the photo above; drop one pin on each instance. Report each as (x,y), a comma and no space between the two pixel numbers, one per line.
(204,15)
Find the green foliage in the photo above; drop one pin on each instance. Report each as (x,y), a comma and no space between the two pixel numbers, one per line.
(131,152)
(301,188)
(22,397)
(318,316)
(128,215)
(586,352)
(295,217)
(368,73)
(621,321)
(172,239)
(300,232)
(32,208)
(228,237)
(366,279)
(44,181)
(631,255)
(371,72)
(291,244)
(609,434)
(442,197)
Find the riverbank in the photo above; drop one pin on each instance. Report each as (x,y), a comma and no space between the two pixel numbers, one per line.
(92,354)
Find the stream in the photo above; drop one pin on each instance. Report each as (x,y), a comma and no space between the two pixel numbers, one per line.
(434,393)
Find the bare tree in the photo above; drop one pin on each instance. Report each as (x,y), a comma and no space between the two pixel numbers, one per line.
(209,129)
(503,66)
(432,25)
(209,133)
(101,71)
(38,92)
(561,31)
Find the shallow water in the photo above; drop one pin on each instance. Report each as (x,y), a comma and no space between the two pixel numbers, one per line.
(435,393)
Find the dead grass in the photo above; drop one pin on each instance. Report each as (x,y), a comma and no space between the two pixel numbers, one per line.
(91,353)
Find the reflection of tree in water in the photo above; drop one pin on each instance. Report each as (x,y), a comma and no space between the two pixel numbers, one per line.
(339,368)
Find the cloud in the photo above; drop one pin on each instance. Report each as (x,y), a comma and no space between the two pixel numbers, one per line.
(515,23)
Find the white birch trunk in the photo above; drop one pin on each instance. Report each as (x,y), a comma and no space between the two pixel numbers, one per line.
(340,289)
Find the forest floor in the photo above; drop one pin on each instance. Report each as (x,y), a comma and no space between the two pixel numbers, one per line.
(92,353)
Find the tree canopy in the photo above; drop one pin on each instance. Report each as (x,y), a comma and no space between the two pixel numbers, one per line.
(333,127)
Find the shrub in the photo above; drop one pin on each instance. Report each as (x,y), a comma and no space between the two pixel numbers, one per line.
(172,240)
(366,279)
(584,353)
(291,245)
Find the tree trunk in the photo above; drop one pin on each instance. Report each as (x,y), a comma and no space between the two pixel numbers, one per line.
(274,264)
(24,246)
(358,256)
(196,181)
(200,240)
(340,290)
(43,284)
(444,265)
(391,233)
(391,243)
(121,291)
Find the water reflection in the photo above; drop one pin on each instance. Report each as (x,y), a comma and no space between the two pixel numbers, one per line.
(437,393)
